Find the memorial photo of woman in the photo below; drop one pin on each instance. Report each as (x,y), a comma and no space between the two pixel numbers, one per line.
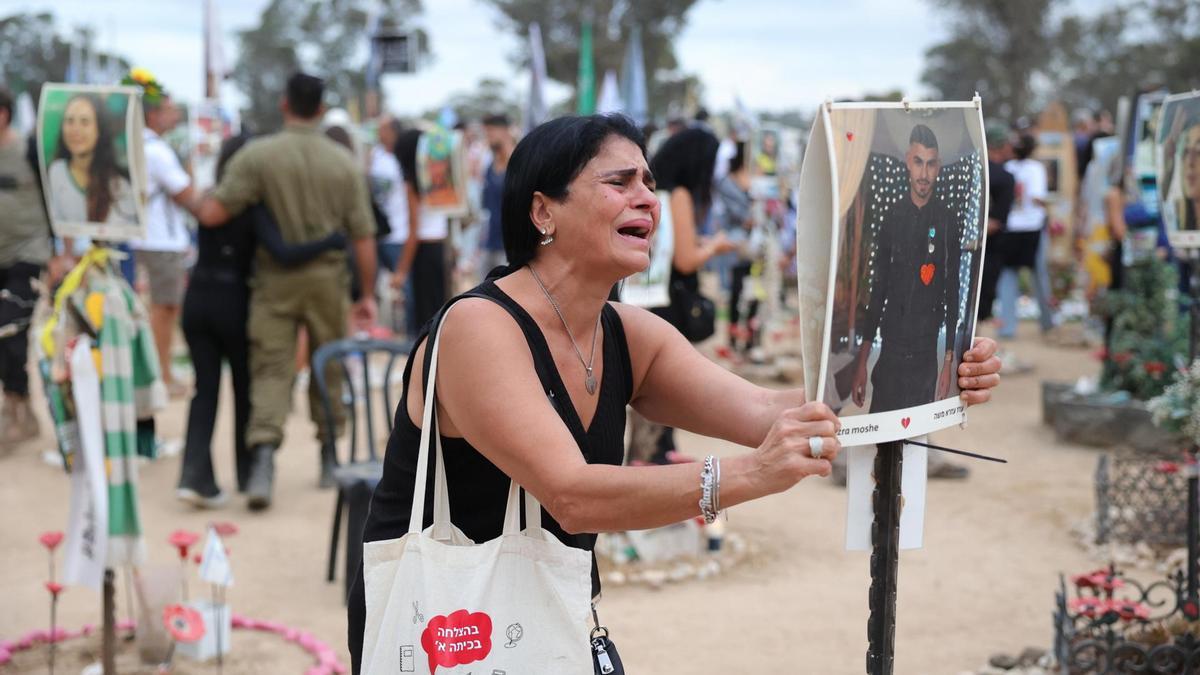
(1179,168)
(86,152)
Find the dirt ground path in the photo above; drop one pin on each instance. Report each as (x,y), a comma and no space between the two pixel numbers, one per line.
(994,547)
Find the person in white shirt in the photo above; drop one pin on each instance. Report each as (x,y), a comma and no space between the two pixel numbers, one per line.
(1025,239)
(389,193)
(386,181)
(164,251)
(424,252)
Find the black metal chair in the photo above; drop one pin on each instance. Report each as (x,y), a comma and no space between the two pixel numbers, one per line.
(354,478)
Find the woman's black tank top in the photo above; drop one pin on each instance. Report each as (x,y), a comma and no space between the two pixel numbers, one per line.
(478,490)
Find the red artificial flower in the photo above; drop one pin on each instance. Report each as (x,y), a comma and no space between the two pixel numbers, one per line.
(225,528)
(54,588)
(1155,368)
(1167,467)
(1100,354)
(1086,606)
(1101,579)
(51,540)
(1121,358)
(183,623)
(183,540)
(197,558)
(1129,610)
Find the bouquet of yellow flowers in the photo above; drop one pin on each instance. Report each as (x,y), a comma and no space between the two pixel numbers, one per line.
(152,90)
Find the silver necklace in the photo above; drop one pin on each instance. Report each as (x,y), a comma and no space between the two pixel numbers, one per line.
(590,380)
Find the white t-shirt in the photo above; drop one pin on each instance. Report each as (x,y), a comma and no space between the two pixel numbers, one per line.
(387,187)
(435,226)
(166,222)
(1030,175)
(68,201)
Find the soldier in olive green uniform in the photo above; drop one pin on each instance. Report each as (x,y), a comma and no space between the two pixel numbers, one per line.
(312,187)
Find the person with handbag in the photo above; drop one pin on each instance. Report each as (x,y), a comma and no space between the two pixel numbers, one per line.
(683,167)
(525,385)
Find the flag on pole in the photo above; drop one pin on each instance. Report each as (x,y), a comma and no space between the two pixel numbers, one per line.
(610,95)
(215,68)
(25,114)
(586,87)
(72,75)
(535,110)
(633,79)
(214,565)
(373,55)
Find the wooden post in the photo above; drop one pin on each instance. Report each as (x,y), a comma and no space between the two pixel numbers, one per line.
(108,649)
(885,558)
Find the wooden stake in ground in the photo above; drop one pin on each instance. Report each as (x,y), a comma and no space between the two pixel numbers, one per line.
(885,558)
(108,648)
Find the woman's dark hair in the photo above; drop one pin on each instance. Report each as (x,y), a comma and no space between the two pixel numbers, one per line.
(687,160)
(1026,144)
(739,157)
(104,170)
(546,160)
(229,148)
(406,154)
(341,137)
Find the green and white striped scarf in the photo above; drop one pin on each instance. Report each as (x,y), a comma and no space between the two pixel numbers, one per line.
(130,388)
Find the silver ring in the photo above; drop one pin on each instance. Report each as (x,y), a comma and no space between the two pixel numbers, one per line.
(816,445)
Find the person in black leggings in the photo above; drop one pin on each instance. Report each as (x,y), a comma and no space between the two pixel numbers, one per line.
(215,310)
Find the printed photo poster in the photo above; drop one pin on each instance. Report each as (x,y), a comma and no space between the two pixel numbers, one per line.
(1141,147)
(92,162)
(1178,170)
(441,171)
(766,150)
(775,159)
(651,288)
(1056,151)
(893,196)
(1097,242)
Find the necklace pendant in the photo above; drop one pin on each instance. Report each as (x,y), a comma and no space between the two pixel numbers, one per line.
(590,382)
(931,247)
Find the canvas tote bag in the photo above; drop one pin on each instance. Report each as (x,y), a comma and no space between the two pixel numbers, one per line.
(437,603)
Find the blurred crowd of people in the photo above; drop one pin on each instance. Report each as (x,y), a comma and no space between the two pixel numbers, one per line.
(288,244)
(281,257)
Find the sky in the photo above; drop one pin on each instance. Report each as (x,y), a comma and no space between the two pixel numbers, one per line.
(773,54)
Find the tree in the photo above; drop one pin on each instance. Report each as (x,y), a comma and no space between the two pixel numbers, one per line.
(1019,53)
(561,21)
(323,37)
(33,53)
(996,48)
(1127,48)
(491,96)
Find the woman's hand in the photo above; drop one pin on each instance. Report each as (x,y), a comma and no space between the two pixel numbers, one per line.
(979,372)
(786,457)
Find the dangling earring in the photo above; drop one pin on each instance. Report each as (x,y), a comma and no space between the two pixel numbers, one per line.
(547,239)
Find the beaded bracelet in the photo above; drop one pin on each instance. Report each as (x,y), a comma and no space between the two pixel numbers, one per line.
(708,488)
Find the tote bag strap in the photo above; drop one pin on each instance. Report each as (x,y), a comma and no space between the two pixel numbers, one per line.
(441,499)
(512,514)
(441,502)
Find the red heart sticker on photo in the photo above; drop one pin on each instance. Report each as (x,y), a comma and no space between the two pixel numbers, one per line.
(849,135)
(905,422)
(927,273)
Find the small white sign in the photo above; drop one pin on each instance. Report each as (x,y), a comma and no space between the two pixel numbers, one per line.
(215,567)
(860,485)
